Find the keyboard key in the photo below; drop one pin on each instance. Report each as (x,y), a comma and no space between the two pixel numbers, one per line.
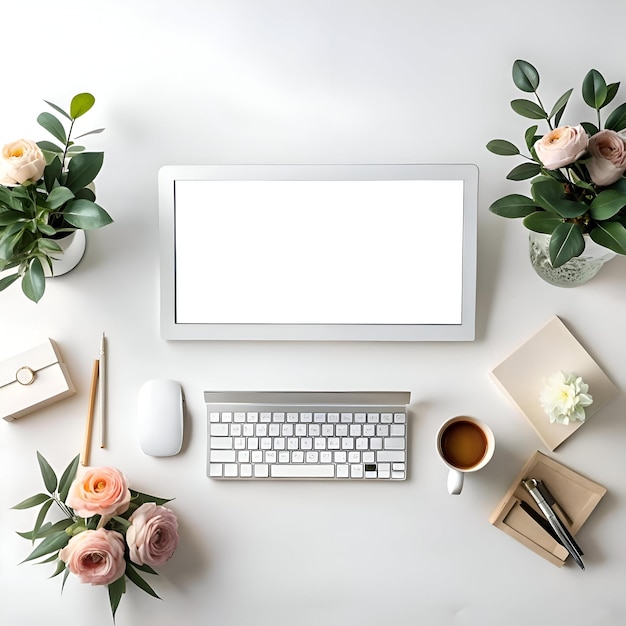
(245,471)
(356,471)
(390,455)
(262,470)
(397,430)
(222,456)
(219,430)
(393,443)
(231,470)
(302,471)
(216,470)
(221,443)
(343,471)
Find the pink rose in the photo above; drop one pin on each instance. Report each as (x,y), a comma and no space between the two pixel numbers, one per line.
(20,161)
(153,535)
(562,146)
(95,556)
(608,157)
(99,491)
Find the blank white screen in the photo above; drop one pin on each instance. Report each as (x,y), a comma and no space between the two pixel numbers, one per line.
(319,252)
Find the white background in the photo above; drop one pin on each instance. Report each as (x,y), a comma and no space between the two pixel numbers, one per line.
(311,81)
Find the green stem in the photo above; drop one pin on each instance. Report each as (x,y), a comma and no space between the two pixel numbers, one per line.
(541,105)
(67,143)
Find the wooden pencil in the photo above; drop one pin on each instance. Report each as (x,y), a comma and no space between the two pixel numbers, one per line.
(90,412)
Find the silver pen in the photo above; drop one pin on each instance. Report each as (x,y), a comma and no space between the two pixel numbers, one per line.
(535,489)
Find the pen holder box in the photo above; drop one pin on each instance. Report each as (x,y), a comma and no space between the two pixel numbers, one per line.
(576,496)
(32,380)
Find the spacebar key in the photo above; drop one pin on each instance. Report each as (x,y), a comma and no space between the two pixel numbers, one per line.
(302,471)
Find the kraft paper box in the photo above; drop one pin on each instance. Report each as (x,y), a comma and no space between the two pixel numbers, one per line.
(32,380)
(576,495)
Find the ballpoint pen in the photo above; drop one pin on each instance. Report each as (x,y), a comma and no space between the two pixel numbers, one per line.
(533,486)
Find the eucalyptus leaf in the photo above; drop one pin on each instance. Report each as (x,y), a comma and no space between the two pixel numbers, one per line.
(590,129)
(53,126)
(49,477)
(566,242)
(33,501)
(116,591)
(542,222)
(607,204)
(83,169)
(594,89)
(527,108)
(34,281)
(611,92)
(58,197)
(524,171)
(48,146)
(611,235)
(86,214)
(513,205)
(559,107)
(617,119)
(502,147)
(96,131)
(81,103)
(67,478)
(52,174)
(530,136)
(525,76)
(42,516)
(7,281)
(135,578)
(49,544)
(58,109)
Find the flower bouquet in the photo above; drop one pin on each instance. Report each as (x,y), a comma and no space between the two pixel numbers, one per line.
(108,533)
(578,186)
(46,193)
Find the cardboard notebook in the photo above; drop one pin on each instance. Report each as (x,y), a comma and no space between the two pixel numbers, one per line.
(552,349)
(576,495)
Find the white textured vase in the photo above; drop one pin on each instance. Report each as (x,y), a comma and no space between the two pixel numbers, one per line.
(73,247)
(576,271)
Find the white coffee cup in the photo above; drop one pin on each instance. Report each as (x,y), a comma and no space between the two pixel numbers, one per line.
(465,444)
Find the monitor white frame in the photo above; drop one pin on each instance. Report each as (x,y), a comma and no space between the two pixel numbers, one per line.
(170,329)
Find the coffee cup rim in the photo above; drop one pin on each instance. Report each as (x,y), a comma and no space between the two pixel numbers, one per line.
(491,442)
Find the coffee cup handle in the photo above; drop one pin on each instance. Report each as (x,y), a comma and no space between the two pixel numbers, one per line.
(455,482)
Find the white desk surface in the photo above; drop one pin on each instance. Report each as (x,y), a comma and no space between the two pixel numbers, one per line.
(338,553)
(311,82)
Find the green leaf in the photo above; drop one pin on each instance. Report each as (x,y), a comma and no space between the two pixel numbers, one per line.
(48,231)
(96,131)
(594,89)
(550,196)
(48,146)
(502,147)
(58,109)
(53,126)
(590,129)
(530,136)
(7,281)
(116,591)
(86,214)
(50,544)
(524,171)
(35,500)
(58,197)
(134,577)
(83,169)
(52,174)
(527,108)
(559,107)
(49,477)
(542,222)
(10,217)
(607,203)
(611,235)
(34,281)
(59,569)
(513,205)
(42,516)
(566,242)
(81,103)
(525,76)
(611,92)
(617,119)
(67,478)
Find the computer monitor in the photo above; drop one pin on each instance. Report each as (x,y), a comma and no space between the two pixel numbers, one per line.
(318,252)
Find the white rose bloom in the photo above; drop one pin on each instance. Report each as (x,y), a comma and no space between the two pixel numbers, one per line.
(564,398)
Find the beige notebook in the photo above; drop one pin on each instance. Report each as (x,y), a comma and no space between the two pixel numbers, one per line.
(521,377)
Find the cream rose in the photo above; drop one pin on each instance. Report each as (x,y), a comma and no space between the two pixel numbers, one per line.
(20,161)
(608,157)
(153,535)
(99,491)
(562,146)
(95,556)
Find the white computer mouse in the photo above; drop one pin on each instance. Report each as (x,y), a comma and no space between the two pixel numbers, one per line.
(160,417)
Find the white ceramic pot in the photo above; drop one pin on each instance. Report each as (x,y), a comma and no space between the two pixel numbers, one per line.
(73,247)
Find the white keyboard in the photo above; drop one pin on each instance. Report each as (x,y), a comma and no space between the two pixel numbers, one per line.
(307,435)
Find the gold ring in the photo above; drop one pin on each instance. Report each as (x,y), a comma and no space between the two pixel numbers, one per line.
(25,375)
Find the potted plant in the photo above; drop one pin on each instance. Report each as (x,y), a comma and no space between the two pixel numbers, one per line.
(46,194)
(577,183)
